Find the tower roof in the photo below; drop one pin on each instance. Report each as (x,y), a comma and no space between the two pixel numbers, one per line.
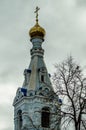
(36,76)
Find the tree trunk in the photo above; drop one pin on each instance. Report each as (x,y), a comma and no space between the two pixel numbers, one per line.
(76,126)
(79,122)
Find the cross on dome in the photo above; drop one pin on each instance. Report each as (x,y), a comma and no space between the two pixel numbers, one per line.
(37,31)
(36,11)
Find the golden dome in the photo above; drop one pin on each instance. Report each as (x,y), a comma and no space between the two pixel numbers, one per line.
(37,31)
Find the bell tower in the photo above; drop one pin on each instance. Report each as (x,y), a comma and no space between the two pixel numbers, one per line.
(36,106)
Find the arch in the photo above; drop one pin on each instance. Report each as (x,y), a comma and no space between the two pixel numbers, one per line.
(45,117)
(19,119)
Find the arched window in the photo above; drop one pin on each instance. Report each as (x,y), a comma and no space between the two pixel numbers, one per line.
(45,117)
(42,78)
(19,119)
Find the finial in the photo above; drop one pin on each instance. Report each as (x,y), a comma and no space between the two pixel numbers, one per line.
(36,11)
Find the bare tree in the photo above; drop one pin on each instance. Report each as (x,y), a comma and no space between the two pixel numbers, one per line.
(70,85)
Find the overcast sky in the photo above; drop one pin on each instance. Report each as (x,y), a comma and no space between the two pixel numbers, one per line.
(65,25)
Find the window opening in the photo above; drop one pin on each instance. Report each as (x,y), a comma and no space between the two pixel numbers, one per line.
(19,119)
(45,118)
(42,78)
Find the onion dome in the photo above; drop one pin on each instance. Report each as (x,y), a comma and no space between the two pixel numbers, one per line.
(37,30)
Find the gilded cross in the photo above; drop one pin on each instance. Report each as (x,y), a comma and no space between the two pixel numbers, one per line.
(36,11)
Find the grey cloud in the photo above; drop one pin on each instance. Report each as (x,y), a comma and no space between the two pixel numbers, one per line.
(6,110)
(8,128)
(6,116)
(81,2)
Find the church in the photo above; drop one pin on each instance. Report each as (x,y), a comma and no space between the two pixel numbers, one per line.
(36,105)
